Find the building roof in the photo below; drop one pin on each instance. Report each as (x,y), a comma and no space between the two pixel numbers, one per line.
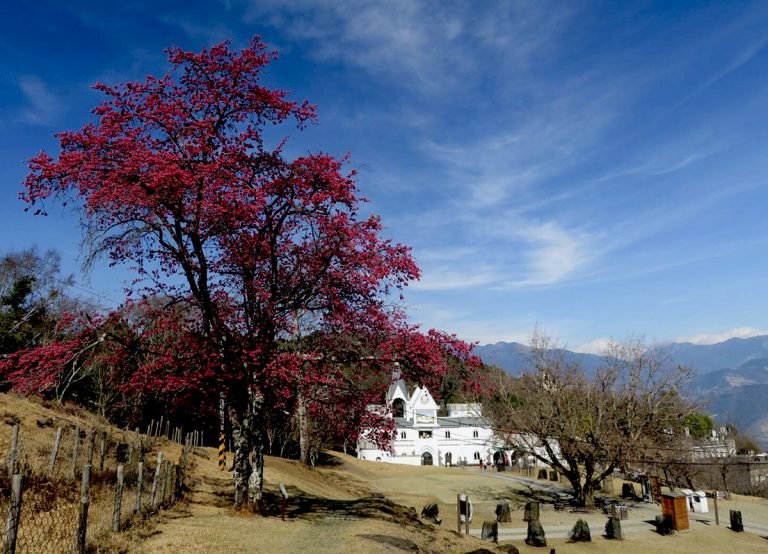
(394,387)
(445,423)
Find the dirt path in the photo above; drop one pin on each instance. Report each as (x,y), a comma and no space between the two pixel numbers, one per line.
(327,513)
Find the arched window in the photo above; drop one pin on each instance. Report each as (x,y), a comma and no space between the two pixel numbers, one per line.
(398,407)
(402,434)
(426,459)
(477,454)
(475,434)
(447,434)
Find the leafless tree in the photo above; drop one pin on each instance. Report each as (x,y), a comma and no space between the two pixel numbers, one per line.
(585,427)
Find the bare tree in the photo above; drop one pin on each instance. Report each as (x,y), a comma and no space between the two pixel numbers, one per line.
(585,427)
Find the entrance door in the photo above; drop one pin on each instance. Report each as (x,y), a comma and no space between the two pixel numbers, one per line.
(448,459)
(426,459)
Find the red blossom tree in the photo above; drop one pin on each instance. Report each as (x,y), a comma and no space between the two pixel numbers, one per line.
(174,177)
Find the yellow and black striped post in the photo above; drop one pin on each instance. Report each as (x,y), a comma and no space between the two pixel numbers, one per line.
(222,452)
(222,433)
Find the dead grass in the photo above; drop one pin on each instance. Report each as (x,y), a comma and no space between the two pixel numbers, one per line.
(356,506)
(352,506)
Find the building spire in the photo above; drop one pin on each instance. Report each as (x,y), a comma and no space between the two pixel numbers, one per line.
(396,376)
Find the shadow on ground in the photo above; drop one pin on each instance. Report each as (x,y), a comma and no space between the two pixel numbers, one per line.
(213,495)
(301,505)
(521,494)
(397,542)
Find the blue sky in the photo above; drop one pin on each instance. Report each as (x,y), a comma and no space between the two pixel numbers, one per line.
(596,169)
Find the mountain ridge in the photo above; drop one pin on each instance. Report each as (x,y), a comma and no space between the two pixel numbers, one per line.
(730,377)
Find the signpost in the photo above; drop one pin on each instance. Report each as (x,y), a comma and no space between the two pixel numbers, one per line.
(283,500)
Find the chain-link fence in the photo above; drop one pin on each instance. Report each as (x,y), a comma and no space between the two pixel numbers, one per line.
(76,492)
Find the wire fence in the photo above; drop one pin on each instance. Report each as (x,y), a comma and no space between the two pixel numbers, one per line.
(84,485)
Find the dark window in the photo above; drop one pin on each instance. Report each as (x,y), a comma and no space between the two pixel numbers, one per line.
(474,434)
(402,434)
(398,408)
(425,435)
(447,434)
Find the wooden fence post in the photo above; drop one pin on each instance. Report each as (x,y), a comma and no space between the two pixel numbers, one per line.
(75,448)
(85,500)
(162,485)
(139,486)
(169,484)
(13,455)
(158,469)
(55,451)
(102,450)
(91,447)
(12,523)
(118,500)
(458,512)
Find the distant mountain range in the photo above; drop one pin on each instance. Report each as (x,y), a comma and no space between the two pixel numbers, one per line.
(731,376)
(733,353)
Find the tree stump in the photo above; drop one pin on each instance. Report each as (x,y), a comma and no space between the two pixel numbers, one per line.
(531,511)
(613,529)
(580,532)
(432,513)
(503,514)
(490,531)
(536,535)
(736,523)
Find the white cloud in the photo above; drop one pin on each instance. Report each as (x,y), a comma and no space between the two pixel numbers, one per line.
(714,338)
(450,279)
(555,255)
(597,346)
(42,106)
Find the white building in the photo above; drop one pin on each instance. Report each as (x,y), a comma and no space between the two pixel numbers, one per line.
(426,438)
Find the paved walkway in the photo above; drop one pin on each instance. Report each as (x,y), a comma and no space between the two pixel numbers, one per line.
(641,515)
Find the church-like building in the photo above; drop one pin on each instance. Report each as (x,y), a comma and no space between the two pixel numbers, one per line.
(423,437)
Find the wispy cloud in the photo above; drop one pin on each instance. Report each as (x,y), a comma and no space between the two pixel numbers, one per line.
(42,107)
(714,338)
(556,255)
(449,278)
(424,47)
(211,32)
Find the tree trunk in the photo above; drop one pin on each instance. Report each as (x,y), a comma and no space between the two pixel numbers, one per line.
(304,454)
(574,478)
(588,491)
(248,438)
(256,478)
(241,467)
